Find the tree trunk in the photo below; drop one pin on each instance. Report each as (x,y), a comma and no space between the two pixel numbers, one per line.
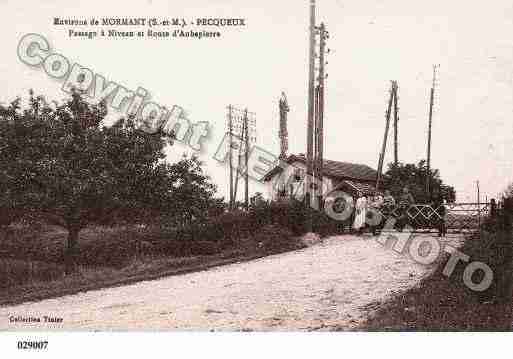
(69,259)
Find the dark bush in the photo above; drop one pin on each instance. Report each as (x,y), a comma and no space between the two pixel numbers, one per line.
(324,225)
(204,248)
(229,227)
(267,227)
(275,238)
(18,272)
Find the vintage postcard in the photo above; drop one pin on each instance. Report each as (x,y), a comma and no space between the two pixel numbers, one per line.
(240,166)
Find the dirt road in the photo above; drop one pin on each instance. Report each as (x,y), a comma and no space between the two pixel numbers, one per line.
(319,287)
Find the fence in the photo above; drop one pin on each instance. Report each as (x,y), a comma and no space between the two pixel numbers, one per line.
(456,217)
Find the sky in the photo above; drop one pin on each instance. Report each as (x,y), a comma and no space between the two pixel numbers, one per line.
(372,42)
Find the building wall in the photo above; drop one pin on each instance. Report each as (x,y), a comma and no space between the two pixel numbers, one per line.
(286,178)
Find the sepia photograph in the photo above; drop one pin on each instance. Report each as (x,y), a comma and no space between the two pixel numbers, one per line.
(317,169)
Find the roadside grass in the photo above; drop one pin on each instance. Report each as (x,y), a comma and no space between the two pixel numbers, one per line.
(32,259)
(440,303)
(32,253)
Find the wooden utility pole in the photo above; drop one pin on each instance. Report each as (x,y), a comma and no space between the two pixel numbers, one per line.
(385,136)
(230,128)
(316,178)
(245,132)
(319,119)
(478,191)
(241,144)
(246,158)
(311,114)
(479,207)
(396,135)
(428,164)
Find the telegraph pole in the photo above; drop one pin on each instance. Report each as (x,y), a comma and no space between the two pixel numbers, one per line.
(230,128)
(246,158)
(319,120)
(478,192)
(396,135)
(311,113)
(479,206)
(244,123)
(241,143)
(385,136)
(431,102)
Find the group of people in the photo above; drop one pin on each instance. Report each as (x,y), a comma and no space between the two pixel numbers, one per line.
(383,204)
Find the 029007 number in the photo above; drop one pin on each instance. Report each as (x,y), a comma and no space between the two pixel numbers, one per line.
(28,345)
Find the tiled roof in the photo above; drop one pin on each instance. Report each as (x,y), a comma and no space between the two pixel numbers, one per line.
(336,169)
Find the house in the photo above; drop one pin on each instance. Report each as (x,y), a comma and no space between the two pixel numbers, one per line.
(287,180)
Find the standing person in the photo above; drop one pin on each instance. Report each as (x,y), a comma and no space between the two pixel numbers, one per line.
(388,202)
(388,208)
(361,213)
(406,200)
(376,217)
(441,210)
(365,205)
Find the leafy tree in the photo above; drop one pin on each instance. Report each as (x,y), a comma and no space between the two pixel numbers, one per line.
(193,193)
(217,207)
(413,176)
(62,164)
